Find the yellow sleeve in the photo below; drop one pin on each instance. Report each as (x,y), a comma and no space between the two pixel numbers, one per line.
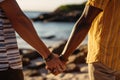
(98,3)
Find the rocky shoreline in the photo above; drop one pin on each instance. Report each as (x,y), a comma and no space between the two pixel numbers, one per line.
(65,13)
(34,66)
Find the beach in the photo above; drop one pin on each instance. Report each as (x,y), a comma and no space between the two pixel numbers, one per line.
(82,75)
(34,66)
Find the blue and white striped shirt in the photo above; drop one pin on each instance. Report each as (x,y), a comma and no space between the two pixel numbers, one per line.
(9,53)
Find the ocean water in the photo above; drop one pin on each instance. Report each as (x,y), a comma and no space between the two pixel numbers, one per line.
(60,31)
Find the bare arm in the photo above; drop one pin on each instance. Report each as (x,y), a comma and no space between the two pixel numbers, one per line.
(80,30)
(23,26)
(25,29)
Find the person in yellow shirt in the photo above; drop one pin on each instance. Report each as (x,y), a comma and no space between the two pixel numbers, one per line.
(101,20)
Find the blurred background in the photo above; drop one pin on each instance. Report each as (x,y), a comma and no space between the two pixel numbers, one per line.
(52,25)
(53,21)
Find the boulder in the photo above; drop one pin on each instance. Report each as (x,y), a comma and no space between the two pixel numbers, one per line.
(72,68)
(48,37)
(58,50)
(65,13)
(36,66)
(29,53)
(26,61)
(79,55)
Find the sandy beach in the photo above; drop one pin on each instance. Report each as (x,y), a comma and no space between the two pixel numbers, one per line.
(80,75)
(34,66)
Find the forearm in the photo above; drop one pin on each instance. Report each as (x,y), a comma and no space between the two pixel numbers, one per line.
(25,29)
(80,30)
(23,26)
(78,34)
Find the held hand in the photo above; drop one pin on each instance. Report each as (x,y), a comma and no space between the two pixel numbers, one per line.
(55,65)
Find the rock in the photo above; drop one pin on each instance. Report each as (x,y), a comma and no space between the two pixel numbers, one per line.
(25,61)
(76,51)
(35,78)
(83,48)
(81,74)
(59,16)
(37,66)
(48,37)
(72,68)
(79,55)
(78,58)
(25,51)
(67,13)
(44,71)
(84,68)
(71,59)
(35,73)
(27,72)
(58,50)
(29,53)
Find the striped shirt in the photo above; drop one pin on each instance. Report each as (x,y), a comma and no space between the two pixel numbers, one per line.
(9,53)
(104,34)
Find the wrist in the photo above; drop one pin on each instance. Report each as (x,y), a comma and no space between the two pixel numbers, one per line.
(49,57)
(61,57)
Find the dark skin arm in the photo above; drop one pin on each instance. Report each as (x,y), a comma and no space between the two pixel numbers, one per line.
(23,26)
(25,29)
(80,30)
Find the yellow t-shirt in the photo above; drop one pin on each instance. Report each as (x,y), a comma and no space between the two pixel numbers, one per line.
(104,34)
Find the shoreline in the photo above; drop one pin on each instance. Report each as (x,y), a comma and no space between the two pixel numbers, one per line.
(48,42)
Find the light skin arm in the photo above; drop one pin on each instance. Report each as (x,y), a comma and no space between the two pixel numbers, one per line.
(25,29)
(80,30)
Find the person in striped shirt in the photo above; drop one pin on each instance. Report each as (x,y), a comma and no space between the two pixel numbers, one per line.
(101,20)
(13,19)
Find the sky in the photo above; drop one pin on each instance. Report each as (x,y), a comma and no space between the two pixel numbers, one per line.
(45,5)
